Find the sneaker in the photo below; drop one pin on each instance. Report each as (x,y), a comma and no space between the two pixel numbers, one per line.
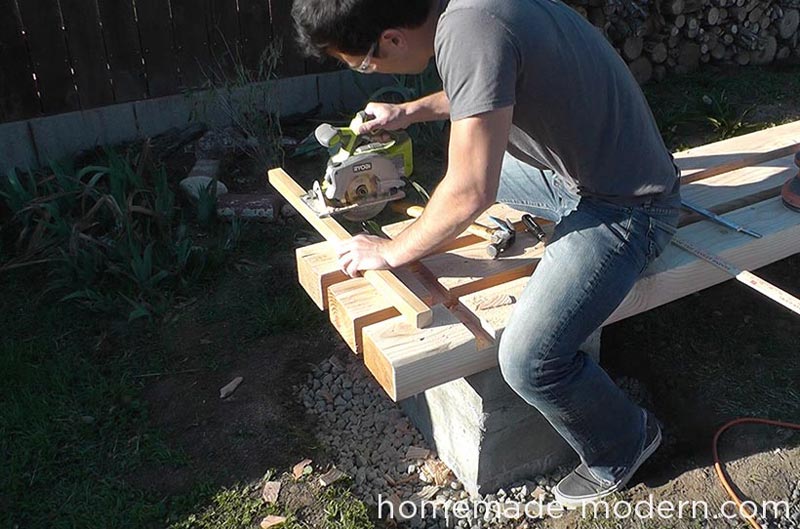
(580,487)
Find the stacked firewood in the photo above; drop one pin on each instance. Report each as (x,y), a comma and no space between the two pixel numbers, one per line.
(660,36)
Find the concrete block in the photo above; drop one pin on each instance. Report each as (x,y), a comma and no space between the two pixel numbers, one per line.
(54,137)
(17,147)
(59,136)
(486,443)
(208,106)
(485,433)
(259,208)
(346,92)
(112,124)
(63,135)
(297,94)
(193,185)
(157,115)
(206,168)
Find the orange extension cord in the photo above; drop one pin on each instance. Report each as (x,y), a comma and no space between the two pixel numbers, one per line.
(721,472)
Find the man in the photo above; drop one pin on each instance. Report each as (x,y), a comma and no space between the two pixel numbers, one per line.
(548,119)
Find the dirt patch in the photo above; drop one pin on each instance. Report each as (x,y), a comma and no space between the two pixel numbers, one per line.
(255,322)
(259,427)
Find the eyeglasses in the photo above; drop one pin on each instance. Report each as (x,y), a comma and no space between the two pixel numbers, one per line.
(366,65)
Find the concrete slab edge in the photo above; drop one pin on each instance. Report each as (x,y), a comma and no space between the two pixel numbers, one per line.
(29,144)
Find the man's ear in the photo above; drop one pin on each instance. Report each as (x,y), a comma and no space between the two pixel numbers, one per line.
(393,39)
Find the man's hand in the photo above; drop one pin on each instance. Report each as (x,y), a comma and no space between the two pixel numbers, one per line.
(363,252)
(385,116)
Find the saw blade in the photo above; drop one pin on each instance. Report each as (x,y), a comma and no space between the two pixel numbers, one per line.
(363,188)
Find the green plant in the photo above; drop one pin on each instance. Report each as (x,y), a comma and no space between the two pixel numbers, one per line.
(230,508)
(249,100)
(108,233)
(343,510)
(724,116)
(207,204)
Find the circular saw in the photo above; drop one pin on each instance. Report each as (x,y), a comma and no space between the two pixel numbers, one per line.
(363,174)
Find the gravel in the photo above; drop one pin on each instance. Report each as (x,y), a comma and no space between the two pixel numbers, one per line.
(368,437)
(788,519)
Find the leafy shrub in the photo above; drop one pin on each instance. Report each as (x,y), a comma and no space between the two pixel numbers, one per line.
(108,234)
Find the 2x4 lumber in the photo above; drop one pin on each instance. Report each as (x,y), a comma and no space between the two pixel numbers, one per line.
(468,269)
(738,188)
(405,367)
(354,304)
(722,193)
(679,273)
(398,355)
(499,210)
(676,273)
(735,153)
(318,269)
(384,281)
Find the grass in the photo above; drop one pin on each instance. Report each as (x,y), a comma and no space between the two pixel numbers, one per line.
(343,510)
(238,507)
(687,107)
(72,423)
(241,507)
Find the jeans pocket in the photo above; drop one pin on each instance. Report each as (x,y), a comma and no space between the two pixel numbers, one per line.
(659,235)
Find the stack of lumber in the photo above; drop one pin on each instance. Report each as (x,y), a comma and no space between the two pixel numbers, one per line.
(470,296)
(677,35)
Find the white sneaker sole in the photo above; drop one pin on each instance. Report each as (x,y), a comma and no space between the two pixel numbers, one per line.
(576,502)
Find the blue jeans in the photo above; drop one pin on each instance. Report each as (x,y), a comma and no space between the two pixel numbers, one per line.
(597,252)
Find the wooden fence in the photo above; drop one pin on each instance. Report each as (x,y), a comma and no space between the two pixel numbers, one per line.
(63,55)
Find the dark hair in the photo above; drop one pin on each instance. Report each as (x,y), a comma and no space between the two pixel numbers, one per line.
(352,26)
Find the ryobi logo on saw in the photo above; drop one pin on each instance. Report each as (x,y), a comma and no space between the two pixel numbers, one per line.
(361,168)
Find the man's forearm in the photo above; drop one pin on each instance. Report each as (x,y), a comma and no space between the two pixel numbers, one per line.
(432,107)
(448,213)
(476,152)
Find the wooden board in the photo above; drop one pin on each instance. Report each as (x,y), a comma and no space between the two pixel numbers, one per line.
(650,293)
(463,335)
(733,190)
(355,304)
(409,305)
(403,359)
(18,99)
(292,60)
(42,22)
(191,40)
(123,50)
(87,50)
(742,151)
(464,270)
(405,367)
(158,50)
(317,270)
(721,193)
(256,30)
(678,273)
(223,35)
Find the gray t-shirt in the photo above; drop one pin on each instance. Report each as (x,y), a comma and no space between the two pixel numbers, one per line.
(577,108)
